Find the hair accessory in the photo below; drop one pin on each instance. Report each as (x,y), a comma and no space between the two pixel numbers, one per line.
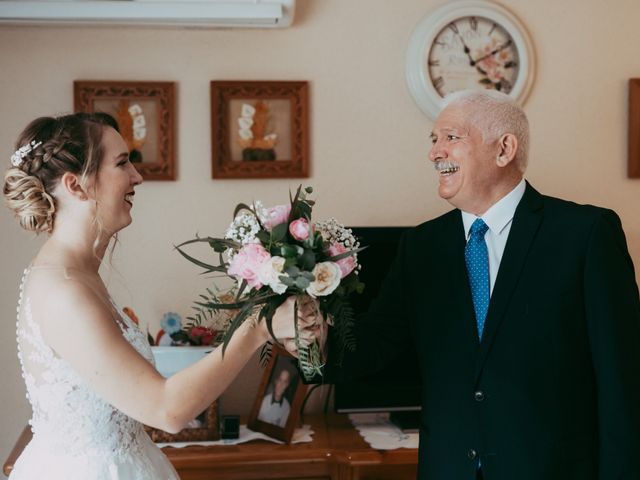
(18,156)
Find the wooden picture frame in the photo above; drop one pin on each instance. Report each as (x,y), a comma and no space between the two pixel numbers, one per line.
(275,417)
(209,429)
(259,129)
(633,169)
(145,112)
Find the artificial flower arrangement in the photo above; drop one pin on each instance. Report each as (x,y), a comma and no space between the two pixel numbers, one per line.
(278,252)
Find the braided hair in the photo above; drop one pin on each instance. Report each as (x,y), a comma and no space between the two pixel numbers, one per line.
(71,143)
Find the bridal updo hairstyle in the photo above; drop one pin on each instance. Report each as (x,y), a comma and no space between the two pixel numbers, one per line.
(71,143)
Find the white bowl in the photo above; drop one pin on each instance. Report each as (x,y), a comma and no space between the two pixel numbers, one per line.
(170,360)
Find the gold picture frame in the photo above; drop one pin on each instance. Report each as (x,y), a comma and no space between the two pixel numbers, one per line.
(145,112)
(259,129)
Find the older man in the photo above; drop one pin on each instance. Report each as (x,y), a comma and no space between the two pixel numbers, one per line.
(524,313)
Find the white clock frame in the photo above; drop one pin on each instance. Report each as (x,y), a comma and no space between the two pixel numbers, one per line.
(416,70)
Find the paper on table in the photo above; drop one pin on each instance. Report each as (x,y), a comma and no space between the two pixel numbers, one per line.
(300,435)
(380,433)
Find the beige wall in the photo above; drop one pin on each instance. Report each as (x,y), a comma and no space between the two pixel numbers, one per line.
(368,140)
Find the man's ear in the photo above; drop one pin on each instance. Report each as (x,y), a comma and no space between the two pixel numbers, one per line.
(71,183)
(508,146)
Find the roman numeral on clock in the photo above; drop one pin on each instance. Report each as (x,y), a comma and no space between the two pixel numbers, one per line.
(453,27)
(435,63)
(473,23)
(438,83)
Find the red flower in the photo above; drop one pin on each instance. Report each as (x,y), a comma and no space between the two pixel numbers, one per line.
(203,335)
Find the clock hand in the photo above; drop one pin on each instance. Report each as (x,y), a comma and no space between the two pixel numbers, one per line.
(493,52)
(500,85)
(467,50)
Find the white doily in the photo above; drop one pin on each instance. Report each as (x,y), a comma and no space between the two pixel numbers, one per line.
(300,435)
(380,433)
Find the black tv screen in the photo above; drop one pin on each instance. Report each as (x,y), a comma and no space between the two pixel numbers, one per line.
(397,387)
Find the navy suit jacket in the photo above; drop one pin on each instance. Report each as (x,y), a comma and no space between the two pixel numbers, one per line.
(552,392)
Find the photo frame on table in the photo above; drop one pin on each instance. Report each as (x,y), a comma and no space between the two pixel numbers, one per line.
(276,410)
(259,129)
(145,112)
(203,428)
(633,170)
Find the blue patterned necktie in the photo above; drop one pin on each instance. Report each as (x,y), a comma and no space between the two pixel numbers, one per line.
(476,257)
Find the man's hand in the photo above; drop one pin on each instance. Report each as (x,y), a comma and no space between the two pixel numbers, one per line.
(311,326)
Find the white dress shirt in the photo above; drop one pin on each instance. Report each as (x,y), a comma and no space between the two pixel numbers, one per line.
(498,218)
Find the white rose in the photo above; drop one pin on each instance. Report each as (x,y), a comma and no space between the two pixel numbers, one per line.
(328,277)
(270,273)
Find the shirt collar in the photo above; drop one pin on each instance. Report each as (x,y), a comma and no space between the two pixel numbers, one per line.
(274,401)
(500,213)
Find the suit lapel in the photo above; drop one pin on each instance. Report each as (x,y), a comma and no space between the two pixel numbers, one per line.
(526,221)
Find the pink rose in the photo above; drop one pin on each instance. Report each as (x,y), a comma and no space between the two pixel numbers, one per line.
(299,229)
(277,215)
(346,264)
(248,262)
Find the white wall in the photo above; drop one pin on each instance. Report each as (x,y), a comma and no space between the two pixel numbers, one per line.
(369,141)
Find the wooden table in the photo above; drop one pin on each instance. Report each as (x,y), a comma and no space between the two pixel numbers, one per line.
(337,452)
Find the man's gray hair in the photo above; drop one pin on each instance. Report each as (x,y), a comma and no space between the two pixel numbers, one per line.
(494,114)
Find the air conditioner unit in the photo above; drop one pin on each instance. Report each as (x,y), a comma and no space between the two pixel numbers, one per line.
(187,13)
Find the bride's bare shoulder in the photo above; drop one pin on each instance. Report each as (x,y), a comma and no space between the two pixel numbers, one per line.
(66,296)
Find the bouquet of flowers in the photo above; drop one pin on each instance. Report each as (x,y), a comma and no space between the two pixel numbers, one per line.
(274,253)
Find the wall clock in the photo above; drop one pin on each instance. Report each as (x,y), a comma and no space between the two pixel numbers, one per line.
(468,44)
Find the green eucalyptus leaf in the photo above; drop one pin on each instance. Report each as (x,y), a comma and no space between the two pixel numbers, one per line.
(302,283)
(307,260)
(292,271)
(288,281)
(308,275)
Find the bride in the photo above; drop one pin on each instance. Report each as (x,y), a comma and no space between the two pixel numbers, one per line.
(87,368)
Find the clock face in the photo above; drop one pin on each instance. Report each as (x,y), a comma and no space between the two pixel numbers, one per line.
(472,52)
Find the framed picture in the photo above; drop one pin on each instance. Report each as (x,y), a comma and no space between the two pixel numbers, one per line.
(634,128)
(145,112)
(259,129)
(204,427)
(276,409)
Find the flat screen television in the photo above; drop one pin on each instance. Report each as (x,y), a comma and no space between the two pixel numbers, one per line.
(396,389)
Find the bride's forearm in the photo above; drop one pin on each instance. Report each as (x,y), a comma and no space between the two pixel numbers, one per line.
(189,392)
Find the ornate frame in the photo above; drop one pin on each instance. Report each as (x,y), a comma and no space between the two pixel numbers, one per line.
(295,393)
(163,167)
(223,165)
(633,169)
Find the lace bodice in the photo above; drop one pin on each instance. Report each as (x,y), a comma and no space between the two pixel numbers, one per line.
(67,413)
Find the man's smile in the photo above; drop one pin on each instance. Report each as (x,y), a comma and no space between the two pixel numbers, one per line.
(446,168)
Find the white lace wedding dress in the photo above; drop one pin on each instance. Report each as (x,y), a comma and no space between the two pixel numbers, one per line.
(76,434)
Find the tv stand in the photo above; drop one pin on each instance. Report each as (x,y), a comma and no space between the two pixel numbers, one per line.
(408,422)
